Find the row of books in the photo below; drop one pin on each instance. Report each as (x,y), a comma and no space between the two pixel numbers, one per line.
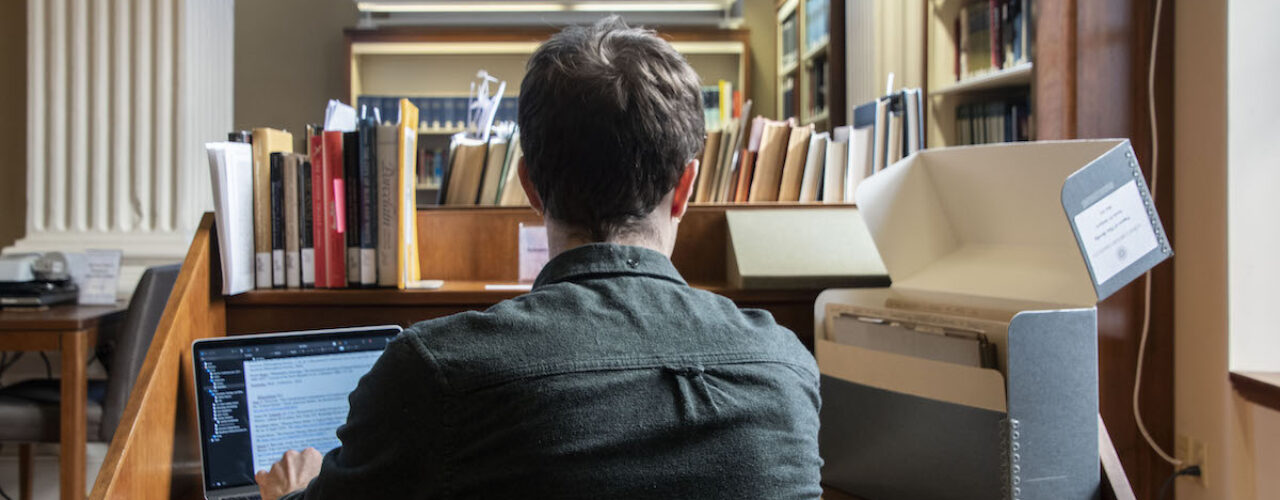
(817,16)
(818,70)
(984,122)
(790,51)
(484,171)
(341,215)
(767,160)
(991,35)
(436,113)
(719,103)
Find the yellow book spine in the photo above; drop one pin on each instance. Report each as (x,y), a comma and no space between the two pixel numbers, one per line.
(407,266)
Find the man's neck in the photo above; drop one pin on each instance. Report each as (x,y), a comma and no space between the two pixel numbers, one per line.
(562,238)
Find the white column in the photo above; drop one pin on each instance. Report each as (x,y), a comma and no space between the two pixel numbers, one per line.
(121,97)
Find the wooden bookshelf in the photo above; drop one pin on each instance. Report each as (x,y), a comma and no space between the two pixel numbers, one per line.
(441,62)
(815,71)
(946,93)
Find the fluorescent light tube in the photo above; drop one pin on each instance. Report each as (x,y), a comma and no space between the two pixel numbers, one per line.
(440,6)
(646,6)
(459,7)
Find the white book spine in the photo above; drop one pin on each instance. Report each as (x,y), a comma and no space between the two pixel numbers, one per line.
(307,258)
(277,267)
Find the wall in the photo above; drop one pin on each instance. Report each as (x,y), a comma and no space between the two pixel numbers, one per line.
(289,61)
(1253,120)
(900,38)
(13,120)
(1203,404)
(761,18)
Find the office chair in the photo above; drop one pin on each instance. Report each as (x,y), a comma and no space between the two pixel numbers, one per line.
(29,410)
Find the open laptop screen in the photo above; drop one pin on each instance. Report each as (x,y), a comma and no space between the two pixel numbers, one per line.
(260,395)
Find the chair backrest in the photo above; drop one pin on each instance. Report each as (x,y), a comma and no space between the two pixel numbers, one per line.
(134,338)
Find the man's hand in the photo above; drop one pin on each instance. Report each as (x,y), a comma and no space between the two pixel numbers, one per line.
(294,470)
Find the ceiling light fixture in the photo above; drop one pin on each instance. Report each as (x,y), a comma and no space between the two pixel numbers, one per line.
(460,7)
(597,6)
(647,6)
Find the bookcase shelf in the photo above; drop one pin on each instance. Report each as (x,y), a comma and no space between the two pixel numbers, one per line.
(1019,75)
(951,102)
(439,62)
(811,76)
(815,50)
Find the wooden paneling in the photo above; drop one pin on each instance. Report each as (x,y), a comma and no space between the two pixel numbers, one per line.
(278,310)
(1260,388)
(155,452)
(1054,91)
(1112,45)
(480,243)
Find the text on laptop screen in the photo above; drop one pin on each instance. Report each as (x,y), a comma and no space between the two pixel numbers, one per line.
(260,398)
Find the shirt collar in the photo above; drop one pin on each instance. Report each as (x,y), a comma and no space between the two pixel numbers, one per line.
(607,259)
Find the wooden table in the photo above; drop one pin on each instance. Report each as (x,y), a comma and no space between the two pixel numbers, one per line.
(73,331)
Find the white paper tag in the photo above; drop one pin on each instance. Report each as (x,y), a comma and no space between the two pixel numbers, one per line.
(102,278)
(353,266)
(277,268)
(308,266)
(292,271)
(262,269)
(368,266)
(533,251)
(1116,232)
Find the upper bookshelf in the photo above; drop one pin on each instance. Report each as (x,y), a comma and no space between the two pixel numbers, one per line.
(810,45)
(980,72)
(444,62)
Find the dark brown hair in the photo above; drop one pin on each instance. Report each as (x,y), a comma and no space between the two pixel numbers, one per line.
(609,115)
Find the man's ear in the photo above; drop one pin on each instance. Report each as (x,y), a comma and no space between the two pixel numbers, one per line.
(529,190)
(684,189)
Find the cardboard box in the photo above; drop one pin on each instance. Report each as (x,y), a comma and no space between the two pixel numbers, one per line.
(1020,242)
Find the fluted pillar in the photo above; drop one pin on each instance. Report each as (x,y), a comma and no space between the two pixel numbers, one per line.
(121,97)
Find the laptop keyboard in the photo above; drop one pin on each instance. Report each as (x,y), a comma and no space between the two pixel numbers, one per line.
(253,496)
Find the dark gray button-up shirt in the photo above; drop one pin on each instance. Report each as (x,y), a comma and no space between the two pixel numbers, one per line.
(612,378)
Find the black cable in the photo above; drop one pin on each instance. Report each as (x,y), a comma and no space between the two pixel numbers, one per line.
(48,368)
(2,493)
(1193,470)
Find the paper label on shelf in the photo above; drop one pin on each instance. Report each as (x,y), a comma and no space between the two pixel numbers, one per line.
(533,251)
(262,269)
(308,266)
(99,284)
(1116,231)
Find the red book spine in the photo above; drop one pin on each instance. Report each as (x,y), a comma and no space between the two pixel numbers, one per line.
(335,258)
(318,225)
(993,33)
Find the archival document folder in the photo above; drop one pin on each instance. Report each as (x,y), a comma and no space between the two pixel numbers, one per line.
(1017,243)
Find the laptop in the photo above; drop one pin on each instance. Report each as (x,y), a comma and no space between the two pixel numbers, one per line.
(260,395)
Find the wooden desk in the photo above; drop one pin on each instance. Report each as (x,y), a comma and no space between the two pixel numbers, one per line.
(71,330)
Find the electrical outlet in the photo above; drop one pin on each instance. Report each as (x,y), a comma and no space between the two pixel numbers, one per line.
(1192,451)
(1200,456)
